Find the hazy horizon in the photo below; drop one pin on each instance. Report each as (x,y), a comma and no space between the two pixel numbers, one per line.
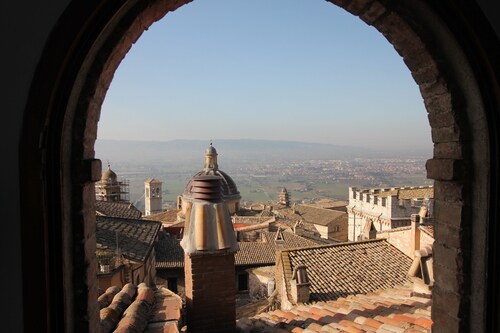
(236,151)
(261,168)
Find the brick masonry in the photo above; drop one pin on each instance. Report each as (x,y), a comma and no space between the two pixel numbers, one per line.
(210,284)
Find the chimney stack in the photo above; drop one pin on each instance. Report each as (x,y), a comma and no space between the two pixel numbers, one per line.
(209,244)
(415,234)
(300,285)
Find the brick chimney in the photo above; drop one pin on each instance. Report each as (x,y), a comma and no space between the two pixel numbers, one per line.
(209,244)
(415,234)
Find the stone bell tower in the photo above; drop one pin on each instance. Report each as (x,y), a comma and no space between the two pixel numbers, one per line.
(284,197)
(152,196)
(209,245)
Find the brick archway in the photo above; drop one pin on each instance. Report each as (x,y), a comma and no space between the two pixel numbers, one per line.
(100,36)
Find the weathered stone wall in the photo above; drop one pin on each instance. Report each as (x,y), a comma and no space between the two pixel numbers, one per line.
(401,239)
(163,274)
(258,279)
(340,224)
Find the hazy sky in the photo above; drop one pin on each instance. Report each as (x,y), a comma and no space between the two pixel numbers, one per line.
(298,70)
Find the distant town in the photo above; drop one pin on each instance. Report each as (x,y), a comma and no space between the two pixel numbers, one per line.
(261,168)
(308,180)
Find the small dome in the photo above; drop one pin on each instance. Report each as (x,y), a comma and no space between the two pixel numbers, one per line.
(210,150)
(109,175)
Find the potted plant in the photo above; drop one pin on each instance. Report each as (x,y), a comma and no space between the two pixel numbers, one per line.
(104,258)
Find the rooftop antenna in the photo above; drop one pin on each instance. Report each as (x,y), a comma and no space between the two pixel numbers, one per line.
(117,251)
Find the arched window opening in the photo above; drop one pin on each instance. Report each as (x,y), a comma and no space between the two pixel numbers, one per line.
(439,65)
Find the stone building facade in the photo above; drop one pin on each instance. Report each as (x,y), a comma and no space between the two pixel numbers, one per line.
(401,238)
(381,209)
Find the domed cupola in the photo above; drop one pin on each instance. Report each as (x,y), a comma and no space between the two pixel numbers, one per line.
(229,190)
(109,176)
(109,188)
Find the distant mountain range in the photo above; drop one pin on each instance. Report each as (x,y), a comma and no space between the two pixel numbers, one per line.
(240,151)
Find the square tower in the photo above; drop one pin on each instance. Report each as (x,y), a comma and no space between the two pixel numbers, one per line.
(152,196)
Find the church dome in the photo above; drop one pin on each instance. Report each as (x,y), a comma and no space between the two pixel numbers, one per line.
(109,176)
(229,189)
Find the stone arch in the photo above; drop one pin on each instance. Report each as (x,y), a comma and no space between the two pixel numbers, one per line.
(90,43)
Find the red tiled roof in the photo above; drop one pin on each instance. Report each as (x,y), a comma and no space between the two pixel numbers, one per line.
(316,215)
(135,238)
(117,209)
(168,217)
(416,193)
(141,309)
(396,309)
(105,299)
(350,268)
(169,253)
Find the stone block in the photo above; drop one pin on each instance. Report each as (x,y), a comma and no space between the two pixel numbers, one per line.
(444,169)
(446,134)
(448,257)
(452,236)
(448,191)
(448,279)
(418,59)
(372,13)
(358,6)
(450,213)
(399,34)
(433,89)
(439,104)
(443,322)
(451,150)
(426,74)
(448,300)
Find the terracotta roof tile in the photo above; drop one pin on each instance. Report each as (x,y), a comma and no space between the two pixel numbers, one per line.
(117,209)
(169,253)
(163,327)
(136,316)
(134,237)
(350,268)
(111,315)
(424,322)
(167,217)
(416,193)
(105,299)
(394,315)
(142,309)
(317,215)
